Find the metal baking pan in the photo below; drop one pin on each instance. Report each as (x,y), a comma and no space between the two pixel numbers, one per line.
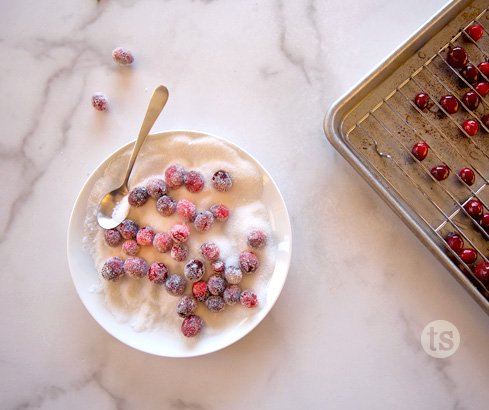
(375,124)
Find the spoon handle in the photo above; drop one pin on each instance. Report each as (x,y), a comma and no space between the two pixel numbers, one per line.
(156,104)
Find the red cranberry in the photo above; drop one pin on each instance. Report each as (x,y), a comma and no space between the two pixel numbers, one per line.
(145,236)
(138,196)
(220,212)
(162,242)
(194,181)
(204,222)
(112,237)
(128,229)
(248,262)
(200,290)
(112,269)
(484,221)
(174,176)
(194,270)
(175,285)
(186,306)
(455,242)
(249,298)
(422,100)
(467,175)
(450,104)
(158,273)
(233,275)
(215,303)
(179,252)
(192,325)
(100,102)
(420,150)
(210,251)
(470,73)
(481,271)
(457,57)
(475,32)
(482,88)
(440,172)
(256,239)
(156,188)
(468,255)
(485,120)
(484,68)
(135,267)
(186,210)
(130,247)
(180,232)
(166,205)
(222,181)
(216,285)
(471,127)
(471,100)
(232,295)
(122,56)
(218,266)
(474,208)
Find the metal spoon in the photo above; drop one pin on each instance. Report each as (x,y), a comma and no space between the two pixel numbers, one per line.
(111,211)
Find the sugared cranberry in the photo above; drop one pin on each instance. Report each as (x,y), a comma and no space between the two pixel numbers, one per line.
(485,120)
(220,212)
(180,232)
(457,57)
(156,188)
(470,73)
(481,271)
(200,290)
(455,242)
(162,242)
(122,56)
(100,102)
(232,295)
(204,222)
(166,205)
(175,285)
(186,210)
(216,285)
(215,303)
(422,100)
(471,127)
(484,222)
(174,176)
(482,88)
(475,32)
(233,275)
(468,255)
(474,208)
(192,325)
(471,100)
(112,237)
(222,181)
(179,252)
(257,238)
(210,251)
(248,262)
(467,175)
(112,270)
(440,172)
(450,104)
(194,270)
(138,196)
(158,273)
(128,229)
(145,236)
(135,267)
(186,306)
(194,181)
(484,68)
(218,266)
(130,247)
(249,298)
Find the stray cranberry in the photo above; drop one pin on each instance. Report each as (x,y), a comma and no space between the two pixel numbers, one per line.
(475,32)
(468,255)
(481,271)
(186,210)
(470,73)
(457,57)
(455,242)
(233,275)
(162,242)
(130,247)
(145,236)
(484,68)
(200,290)
(180,232)
(174,176)
(135,267)
(175,285)
(467,175)
(100,102)
(158,273)
(204,222)
(440,172)
(257,238)
(194,270)
(138,196)
(249,298)
(112,237)
(471,127)
(220,212)
(222,181)
(482,88)
(166,205)
(216,285)
(471,100)
(450,104)
(156,188)
(122,56)
(179,252)
(112,269)
(232,295)
(248,262)
(194,181)
(210,251)
(420,150)
(485,120)
(186,306)
(484,221)
(192,325)
(215,303)
(218,266)
(128,229)
(474,208)
(422,100)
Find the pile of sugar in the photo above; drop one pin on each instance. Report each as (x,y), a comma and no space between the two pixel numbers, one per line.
(147,306)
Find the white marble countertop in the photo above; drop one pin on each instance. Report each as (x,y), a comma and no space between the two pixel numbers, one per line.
(345,332)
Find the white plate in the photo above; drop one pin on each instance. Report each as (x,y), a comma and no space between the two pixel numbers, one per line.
(162,343)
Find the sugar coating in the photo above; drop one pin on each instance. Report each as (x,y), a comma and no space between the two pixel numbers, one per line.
(156,188)
(166,205)
(194,270)
(135,267)
(145,236)
(158,273)
(233,275)
(100,102)
(122,56)
(175,285)
(186,306)
(162,242)
(130,247)
(192,325)
(232,295)
(128,229)
(138,196)
(216,285)
(112,237)
(112,269)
